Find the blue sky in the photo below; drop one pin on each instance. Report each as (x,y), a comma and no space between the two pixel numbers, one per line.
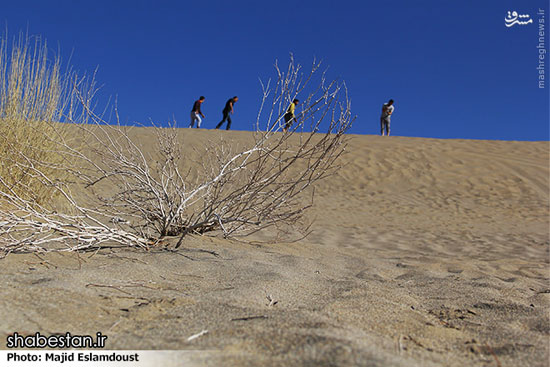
(453,68)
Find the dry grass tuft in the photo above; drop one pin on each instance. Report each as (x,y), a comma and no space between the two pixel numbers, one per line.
(33,98)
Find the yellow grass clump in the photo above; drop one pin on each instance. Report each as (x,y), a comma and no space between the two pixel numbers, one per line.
(33,97)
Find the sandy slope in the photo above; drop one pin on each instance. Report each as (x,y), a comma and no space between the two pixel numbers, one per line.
(424,252)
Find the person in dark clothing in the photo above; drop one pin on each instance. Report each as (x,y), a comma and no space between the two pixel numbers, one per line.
(228,109)
(196,112)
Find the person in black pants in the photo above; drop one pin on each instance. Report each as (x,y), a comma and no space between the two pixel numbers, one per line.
(226,111)
(289,115)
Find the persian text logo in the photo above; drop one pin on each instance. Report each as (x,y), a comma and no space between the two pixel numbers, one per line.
(514,18)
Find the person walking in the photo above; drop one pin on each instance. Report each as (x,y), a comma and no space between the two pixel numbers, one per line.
(228,109)
(289,115)
(387,111)
(196,112)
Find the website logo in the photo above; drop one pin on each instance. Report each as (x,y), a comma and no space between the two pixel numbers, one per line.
(514,18)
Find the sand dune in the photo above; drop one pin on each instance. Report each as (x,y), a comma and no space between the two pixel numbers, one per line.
(423,252)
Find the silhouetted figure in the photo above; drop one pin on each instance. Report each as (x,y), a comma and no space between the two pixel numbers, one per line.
(228,109)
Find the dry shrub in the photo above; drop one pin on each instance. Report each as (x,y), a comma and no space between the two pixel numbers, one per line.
(237,189)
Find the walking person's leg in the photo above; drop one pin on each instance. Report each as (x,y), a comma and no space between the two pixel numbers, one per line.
(228,122)
(225,116)
(288,122)
(388,127)
(192,120)
(199,121)
(382,126)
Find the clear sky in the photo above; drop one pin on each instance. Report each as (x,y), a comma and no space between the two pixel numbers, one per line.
(453,68)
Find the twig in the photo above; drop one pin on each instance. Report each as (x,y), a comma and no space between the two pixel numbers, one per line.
(493,354)
(107,286)
(195,336)
(114,325)
(399,344)
(272,301)
(249,318)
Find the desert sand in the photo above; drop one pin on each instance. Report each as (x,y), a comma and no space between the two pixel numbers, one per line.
(423,252)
